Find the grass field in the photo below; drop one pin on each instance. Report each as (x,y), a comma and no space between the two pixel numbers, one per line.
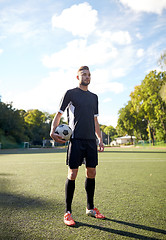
(130,191)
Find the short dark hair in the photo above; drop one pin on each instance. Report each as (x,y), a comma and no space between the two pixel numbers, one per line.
(83,68)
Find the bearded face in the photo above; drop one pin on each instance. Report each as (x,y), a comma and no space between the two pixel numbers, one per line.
(84,77)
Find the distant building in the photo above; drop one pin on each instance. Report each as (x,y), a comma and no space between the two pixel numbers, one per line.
(123,140)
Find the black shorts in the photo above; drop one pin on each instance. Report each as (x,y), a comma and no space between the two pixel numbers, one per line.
(80,151)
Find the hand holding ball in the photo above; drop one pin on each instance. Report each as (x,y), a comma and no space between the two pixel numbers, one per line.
(64,131)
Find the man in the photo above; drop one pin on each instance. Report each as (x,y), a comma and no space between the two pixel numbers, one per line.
(82,111)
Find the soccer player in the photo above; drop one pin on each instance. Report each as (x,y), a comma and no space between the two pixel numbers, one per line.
(82,112)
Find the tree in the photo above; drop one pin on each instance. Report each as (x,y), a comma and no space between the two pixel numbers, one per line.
(162,60)
(11,124)
(35,121)
(110,131)
(126,120)
(147,100)
(37,125)
(141,123)
(163,92)
(17,126)
(162,64)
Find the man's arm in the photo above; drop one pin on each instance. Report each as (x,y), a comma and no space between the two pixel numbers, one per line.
(98,133)
(54,125)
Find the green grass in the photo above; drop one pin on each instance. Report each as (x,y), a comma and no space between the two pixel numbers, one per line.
(130,191)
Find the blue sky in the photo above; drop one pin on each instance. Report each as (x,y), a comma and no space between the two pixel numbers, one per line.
(43,43)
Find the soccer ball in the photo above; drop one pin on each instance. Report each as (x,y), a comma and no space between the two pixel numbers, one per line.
(64,131)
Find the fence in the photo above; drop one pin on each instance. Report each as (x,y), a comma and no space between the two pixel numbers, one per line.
(149,143)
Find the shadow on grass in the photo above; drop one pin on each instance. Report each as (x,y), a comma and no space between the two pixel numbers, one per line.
(114,231)
(10,199)
(139,226)
(11,225)
(13,203)
(6,174)
(8,231)
(19,201)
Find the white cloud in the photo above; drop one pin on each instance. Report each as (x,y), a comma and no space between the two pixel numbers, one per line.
(146,5)
(117,72)
(79,19)
(1,51)
(2,37)
(47,95)
(139,36)
(115,87)
(24,28)
(79,53)
(140,52)
(123,63)
(152,56)
(106,100)
(20,19)
(20,27)
(119,37)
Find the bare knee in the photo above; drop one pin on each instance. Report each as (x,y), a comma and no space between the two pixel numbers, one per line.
(90,172)
(72,174)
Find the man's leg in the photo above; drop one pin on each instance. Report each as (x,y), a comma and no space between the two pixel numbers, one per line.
(90,189)
(90,186)
(69,193)
(70,187)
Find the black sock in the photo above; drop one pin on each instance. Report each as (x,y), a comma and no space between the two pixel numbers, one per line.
(90,189)
(69,192)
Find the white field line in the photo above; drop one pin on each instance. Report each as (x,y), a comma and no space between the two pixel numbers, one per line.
(100,161)
(105,160)
(132,160)
(135,158)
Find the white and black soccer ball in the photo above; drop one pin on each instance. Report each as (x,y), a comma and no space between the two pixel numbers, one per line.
(64,131)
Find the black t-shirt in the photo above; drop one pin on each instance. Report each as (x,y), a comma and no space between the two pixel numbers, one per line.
(82,107)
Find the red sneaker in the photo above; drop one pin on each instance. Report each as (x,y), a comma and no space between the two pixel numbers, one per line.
(95,213)
(68,220)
